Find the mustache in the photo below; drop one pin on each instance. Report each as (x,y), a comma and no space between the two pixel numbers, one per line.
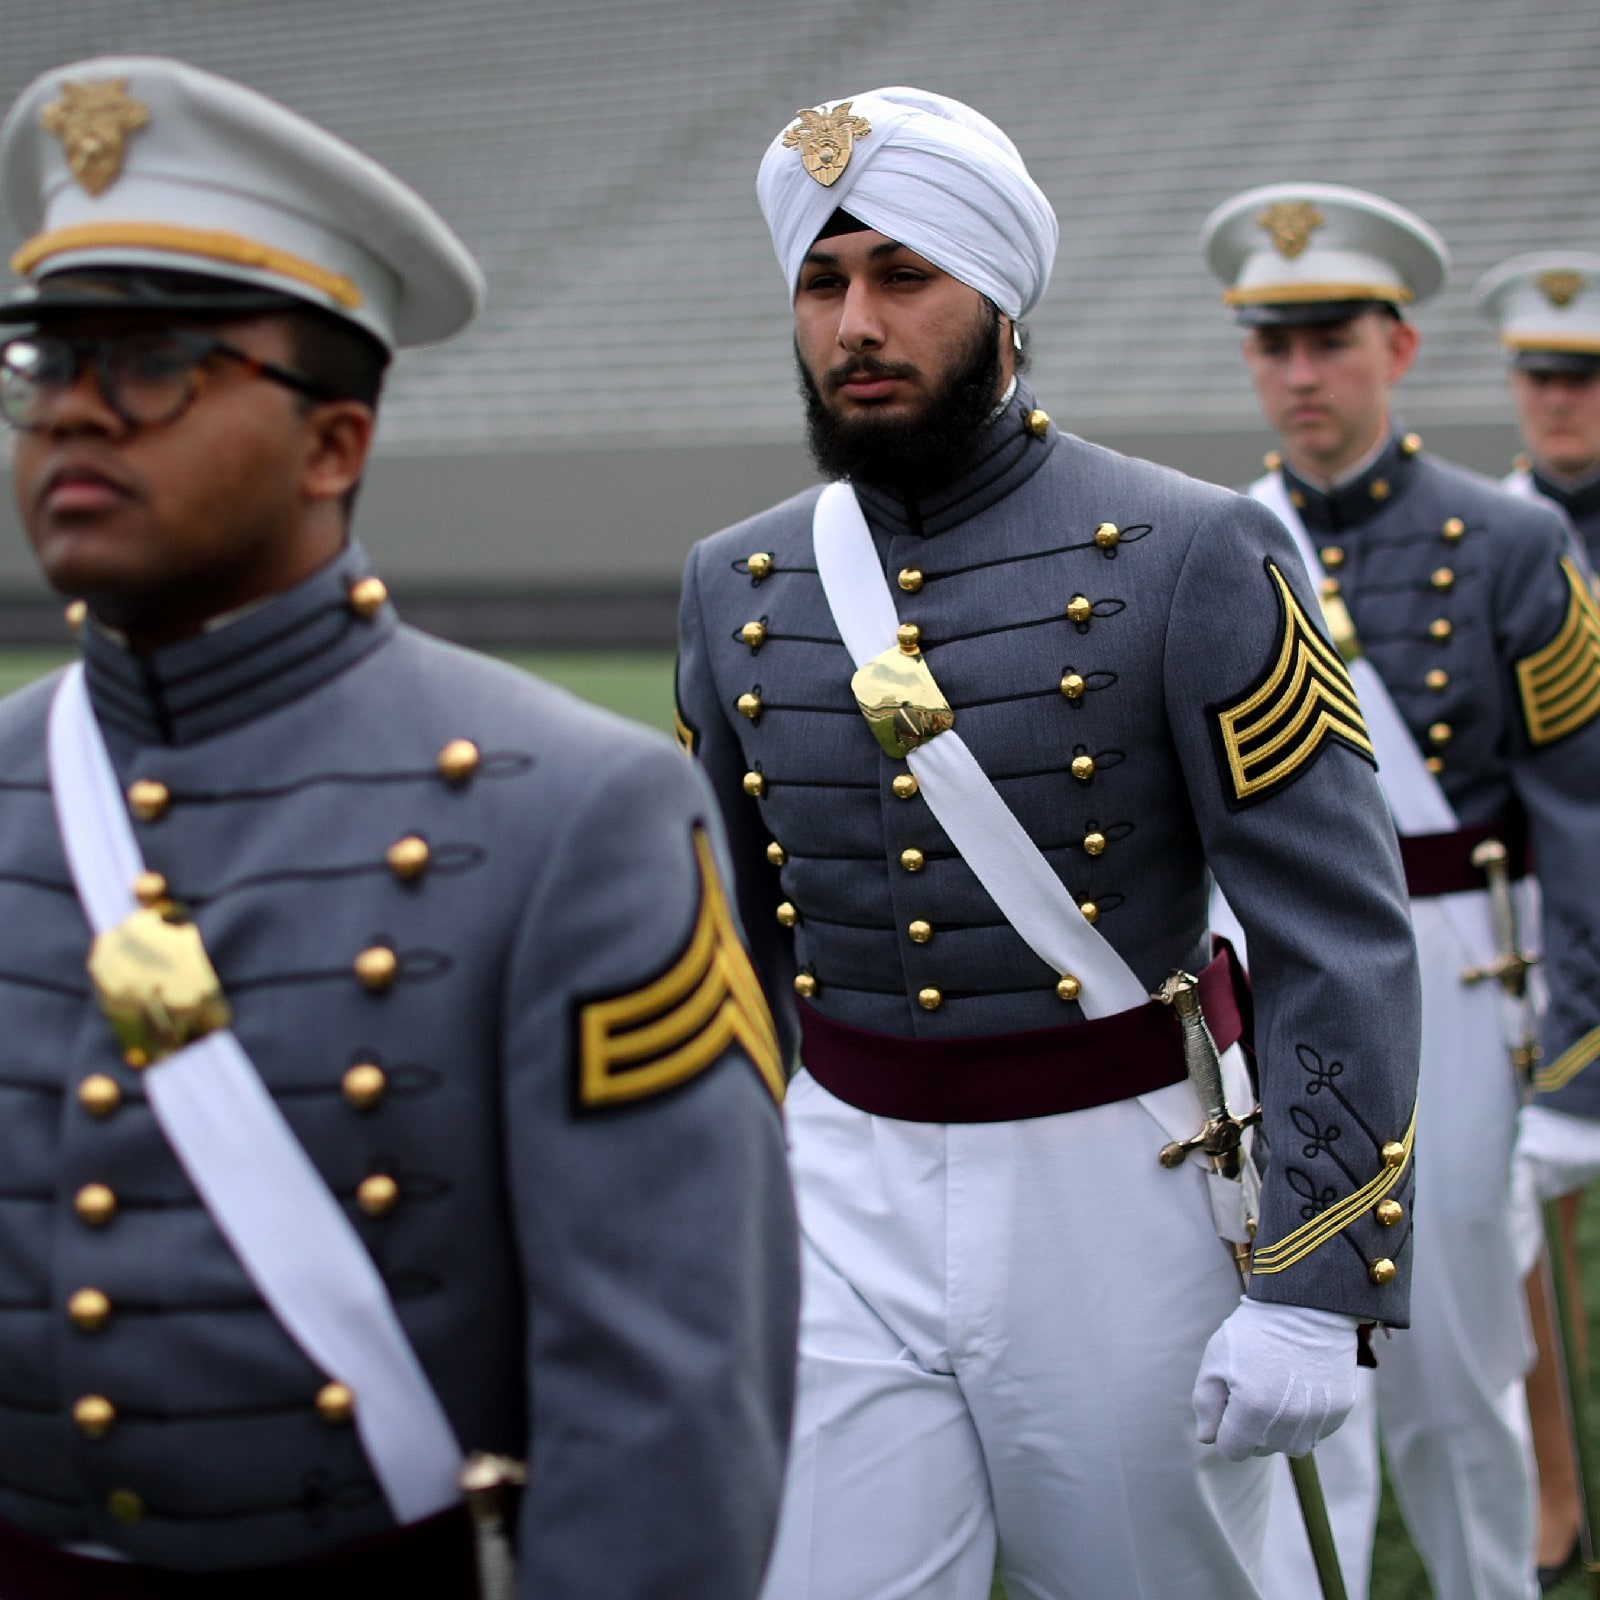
(866,367)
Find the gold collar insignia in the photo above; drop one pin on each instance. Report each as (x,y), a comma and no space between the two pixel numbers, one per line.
(1560,287)
(93,120)
(1291,224)
(826,138)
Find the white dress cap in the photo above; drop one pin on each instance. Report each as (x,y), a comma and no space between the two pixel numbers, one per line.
(921,169)
(1292,248)
(140,161)
(1545,304)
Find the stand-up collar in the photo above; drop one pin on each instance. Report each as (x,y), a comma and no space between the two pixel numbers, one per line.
(1364,496)
(1011,452)
(1580,504)
(245,668)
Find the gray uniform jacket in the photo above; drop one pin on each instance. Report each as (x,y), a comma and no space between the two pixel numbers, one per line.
(1490,647)
(1582,507)
(598,1272)
(1175,623)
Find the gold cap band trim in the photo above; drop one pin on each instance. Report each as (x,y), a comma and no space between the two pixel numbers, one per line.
(233,248)
(1283,294)
(1580,343)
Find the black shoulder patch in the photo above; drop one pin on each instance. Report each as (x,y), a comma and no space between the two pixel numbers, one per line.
(653,1038)
(1560,684)
(1302,700)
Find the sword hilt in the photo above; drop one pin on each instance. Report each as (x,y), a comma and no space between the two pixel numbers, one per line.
(1510,967)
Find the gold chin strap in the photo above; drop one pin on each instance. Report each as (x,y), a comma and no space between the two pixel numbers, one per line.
(903,705)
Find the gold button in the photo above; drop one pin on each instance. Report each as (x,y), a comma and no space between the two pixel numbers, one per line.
(1072,685)
(909,637)
(1079,608)
(408,858)
(1272,461)
(1379,489)
(88,1309)
(95,1204)
(1083,768)
(912,859)
(377,1194)
(93,1415)
(126,1506)
(1106,535)
(1434,764)
(776,854)
(1390,1212)
(754,785)
(905,786)
(1038,423)
(458,760)
(1382,1271)
(1094,844)
(1440,733)
(760,564)
(1328,588)
(363,1085)
(1437,679)
(805,984)
(1297,500)
(376,967)
(748,705)
(77,611)
(1443,578)
(754,634)
(787,915)
(99,1095)
(1440,629)
(136,1057)
(920,932)
(1068,988)
(366,596)
(1411,444)
(910,579)
(1333,557)
(1393,1153)
(1453,529)
(336,1402)
(1090,911)
(929,999)
(149,888)
(147,799)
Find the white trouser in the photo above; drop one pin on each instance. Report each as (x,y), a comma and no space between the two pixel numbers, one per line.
(1447,1398)
(1000,1330)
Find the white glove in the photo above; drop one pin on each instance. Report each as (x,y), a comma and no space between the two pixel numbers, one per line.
(1556,1154)
(1275,1378)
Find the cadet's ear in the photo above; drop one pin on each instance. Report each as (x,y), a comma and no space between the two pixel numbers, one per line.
(338,436)
(1403,342)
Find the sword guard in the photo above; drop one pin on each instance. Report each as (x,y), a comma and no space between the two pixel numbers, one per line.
(1510,971)
(1221,1138)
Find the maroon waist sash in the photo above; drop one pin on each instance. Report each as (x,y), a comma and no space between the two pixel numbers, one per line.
(1441,863)
(1003,1077)
(433,1558)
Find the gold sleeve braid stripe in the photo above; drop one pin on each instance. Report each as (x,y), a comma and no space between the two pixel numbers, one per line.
(1304,698)
(1567,1065)
(683,732)
(642,1043)
(1560,684)
(1294,1247)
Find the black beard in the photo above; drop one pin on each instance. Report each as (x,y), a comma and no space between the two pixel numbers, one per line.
(916,455)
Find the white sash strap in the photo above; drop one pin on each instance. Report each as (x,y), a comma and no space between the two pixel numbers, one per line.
(1520,483)
(267,1199)
(986,834)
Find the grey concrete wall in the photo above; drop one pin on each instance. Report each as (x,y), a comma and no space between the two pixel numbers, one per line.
(575,546)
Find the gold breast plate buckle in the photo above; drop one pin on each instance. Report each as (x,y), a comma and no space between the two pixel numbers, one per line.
(156,983)
(903,706)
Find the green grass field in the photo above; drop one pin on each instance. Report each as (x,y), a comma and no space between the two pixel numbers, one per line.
(639,684)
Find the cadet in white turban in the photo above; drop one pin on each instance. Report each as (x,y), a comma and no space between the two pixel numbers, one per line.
(924,170)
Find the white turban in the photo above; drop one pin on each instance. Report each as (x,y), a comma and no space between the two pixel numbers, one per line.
(931,174)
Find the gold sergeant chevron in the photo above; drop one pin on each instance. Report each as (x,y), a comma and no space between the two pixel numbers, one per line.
(1560,684)
(1304,699)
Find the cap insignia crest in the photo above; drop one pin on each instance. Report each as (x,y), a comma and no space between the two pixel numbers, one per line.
(93,120)
(826,138)
(1291,224)
(1560,287)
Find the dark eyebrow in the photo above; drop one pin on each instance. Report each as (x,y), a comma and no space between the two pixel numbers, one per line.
(825,258)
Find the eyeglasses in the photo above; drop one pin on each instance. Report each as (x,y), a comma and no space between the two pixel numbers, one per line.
(148,379)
